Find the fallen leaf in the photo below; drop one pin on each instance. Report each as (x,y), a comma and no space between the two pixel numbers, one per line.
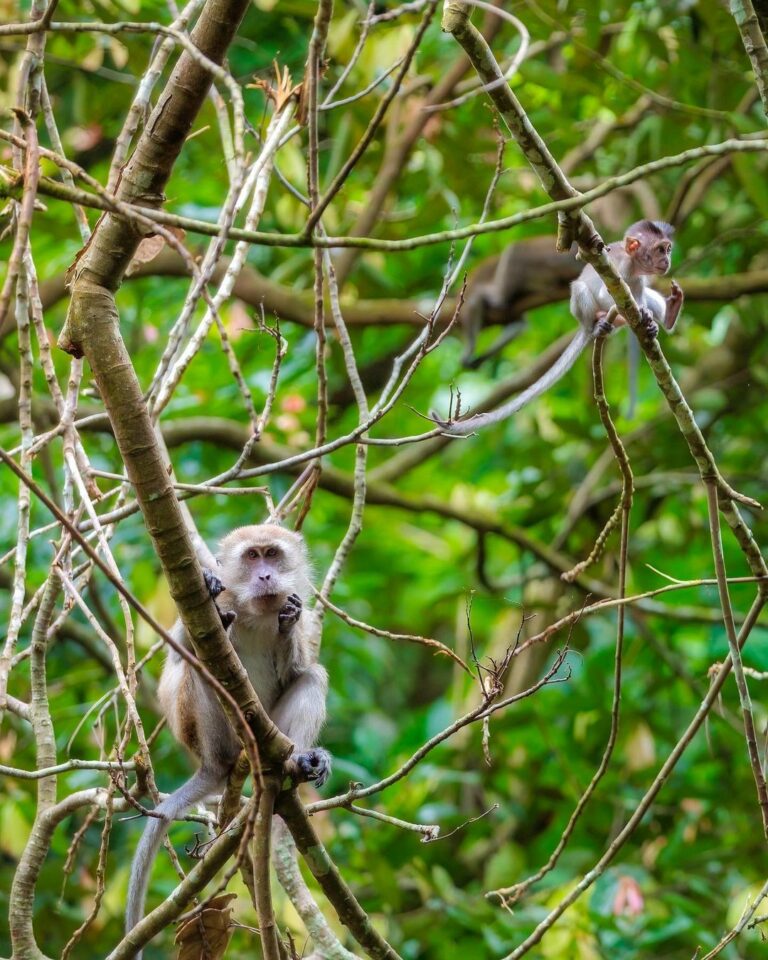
(206,935)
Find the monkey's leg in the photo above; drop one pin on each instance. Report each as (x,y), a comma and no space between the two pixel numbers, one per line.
(300,714)
(605,321)
(510,333)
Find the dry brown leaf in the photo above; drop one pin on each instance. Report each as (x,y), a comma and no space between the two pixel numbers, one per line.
(149,248)
(283,90)
(206,935)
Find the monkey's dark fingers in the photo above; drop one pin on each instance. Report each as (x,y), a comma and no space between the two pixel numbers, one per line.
(314,765)
(603,327)
(651,328)
(212,582)
(289,613)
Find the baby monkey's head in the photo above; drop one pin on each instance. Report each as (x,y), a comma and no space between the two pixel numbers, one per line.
(649,244)
(262,565)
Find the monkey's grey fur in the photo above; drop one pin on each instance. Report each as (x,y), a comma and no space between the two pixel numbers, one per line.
(264,573)
(644,251)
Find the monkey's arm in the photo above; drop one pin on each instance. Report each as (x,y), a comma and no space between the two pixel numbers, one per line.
(300,714)
(654,302)
(673,305)
(665,310)
(472,314)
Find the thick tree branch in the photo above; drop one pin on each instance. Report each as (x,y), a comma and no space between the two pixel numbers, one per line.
(92,329)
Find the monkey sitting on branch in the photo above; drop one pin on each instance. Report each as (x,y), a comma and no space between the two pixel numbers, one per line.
(264,573)
(645,251)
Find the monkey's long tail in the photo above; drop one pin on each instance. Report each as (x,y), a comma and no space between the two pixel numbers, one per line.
(199,786)
(559,368)
(633,364)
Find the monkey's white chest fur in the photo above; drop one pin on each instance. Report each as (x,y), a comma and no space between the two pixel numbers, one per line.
(258,646)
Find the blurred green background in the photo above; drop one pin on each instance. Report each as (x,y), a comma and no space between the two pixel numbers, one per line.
(699,856)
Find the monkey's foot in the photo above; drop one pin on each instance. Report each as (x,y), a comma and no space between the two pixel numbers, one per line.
(314,765)
(289,613)
(603,327)
(215,586)
(648,324)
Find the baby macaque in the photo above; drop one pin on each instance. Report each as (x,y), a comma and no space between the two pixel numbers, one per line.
(259,587)
(644,252)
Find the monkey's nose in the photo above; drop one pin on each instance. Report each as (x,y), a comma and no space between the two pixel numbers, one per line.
(265,576)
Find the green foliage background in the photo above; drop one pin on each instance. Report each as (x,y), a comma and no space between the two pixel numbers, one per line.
(699,855)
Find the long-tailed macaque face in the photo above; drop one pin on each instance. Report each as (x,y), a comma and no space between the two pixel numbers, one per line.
(262,565)
(648,243)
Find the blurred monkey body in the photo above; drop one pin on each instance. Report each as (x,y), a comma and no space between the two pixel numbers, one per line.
(498,286)
(259,586)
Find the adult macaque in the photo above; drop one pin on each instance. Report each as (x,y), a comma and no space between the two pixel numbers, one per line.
(264,573)
(644,252)
(498,285)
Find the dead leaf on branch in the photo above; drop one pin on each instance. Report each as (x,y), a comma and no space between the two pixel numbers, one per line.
(206,935)
(283,90)
(150,247)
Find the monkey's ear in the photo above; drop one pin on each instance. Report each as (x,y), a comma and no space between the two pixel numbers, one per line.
(631,244)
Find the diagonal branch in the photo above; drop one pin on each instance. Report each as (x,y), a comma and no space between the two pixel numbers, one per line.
(456,21)
(754,41)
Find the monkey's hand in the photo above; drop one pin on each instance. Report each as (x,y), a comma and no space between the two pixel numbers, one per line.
(674,303)
(648,325)
(289,614)
(314,765)
(215,587)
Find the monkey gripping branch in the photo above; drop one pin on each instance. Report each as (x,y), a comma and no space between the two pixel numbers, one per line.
(92,330)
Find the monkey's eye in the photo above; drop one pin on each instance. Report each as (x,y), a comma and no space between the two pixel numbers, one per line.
(252,554)
(271,552)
